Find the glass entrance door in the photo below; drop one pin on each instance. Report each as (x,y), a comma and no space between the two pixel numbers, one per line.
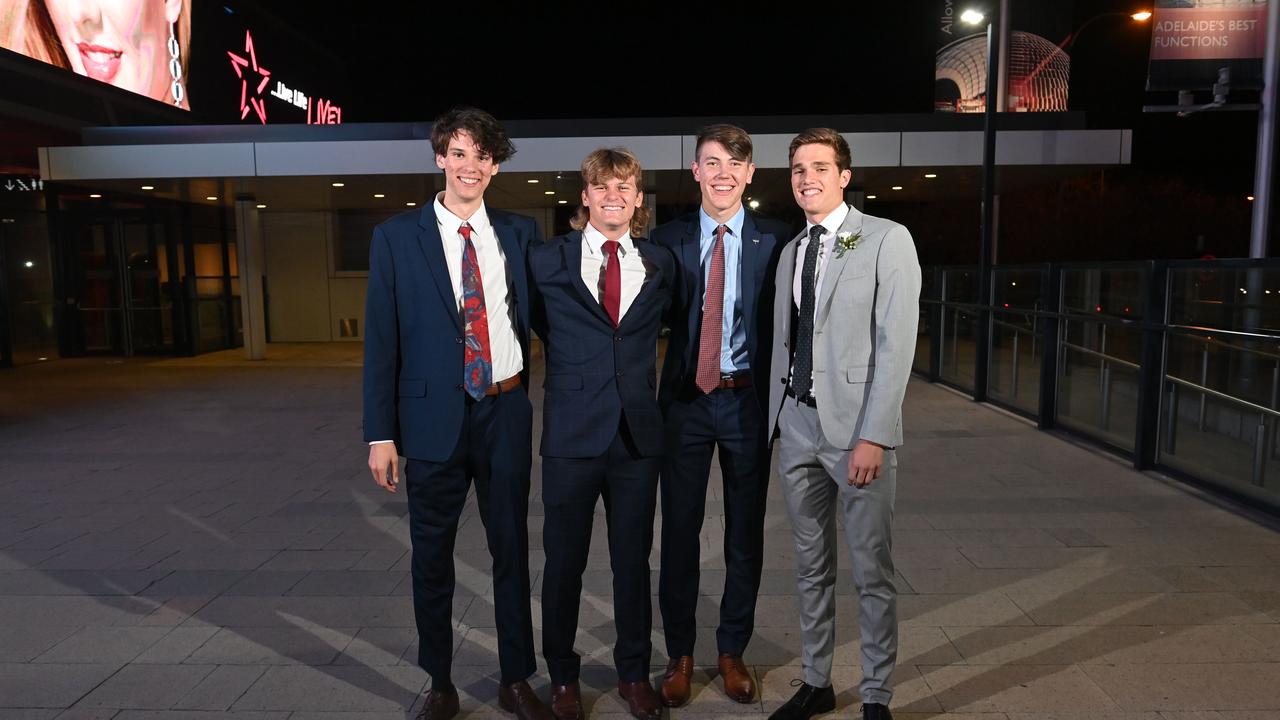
(124,305)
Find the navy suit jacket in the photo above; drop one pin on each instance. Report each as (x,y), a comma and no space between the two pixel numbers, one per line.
(762,241)
(596,372)
(413,331)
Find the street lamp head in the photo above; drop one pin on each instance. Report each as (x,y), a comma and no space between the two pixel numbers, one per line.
(1142,16)
(971,16)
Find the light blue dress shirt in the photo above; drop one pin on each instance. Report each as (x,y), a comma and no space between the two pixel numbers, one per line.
(733,335)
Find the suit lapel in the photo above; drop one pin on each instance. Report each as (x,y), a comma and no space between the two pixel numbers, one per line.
(747,280)
(517,282)
(836,265)
(784,296)
(692,262)
(652,279)
(573,266)
(433,250)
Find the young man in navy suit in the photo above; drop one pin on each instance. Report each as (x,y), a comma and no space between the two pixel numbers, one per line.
(713,396)
(600,293)
(445,368)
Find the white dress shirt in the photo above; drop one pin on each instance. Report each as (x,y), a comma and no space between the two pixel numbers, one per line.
(504,346)
(831,224)
(629,261)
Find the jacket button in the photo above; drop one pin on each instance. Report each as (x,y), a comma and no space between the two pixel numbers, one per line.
(619,373)
(458,340)
(617,338)
(458,386)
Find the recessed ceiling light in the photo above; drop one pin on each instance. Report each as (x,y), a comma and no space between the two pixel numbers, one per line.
(755,204)
(262,206)
(94,195)
(338,184)
(563,202)
(1249,198)
(148,187)
(379,195)
(411,204)
(548,192)
(931,175)
(29,264)
(533,181)
(211,197)
(871,197)
(896,187)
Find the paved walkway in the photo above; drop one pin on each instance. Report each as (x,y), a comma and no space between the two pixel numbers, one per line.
(190,538)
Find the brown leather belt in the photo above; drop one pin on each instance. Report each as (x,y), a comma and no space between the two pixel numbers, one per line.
(505,386)
(733,382)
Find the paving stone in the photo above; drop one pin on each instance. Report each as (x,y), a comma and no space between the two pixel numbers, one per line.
(147,687)
(335,688)
(272,646)
(104,645)
(25,685)
(220,689)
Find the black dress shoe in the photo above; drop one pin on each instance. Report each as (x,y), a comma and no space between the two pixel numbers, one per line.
(440,704)
(807,702)
(876,711)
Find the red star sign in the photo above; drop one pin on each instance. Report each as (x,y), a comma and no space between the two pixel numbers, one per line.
(238,64)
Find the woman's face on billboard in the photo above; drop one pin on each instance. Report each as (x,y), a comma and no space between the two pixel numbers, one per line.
(122,42)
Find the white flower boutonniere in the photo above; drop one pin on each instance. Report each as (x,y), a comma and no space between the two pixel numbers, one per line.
(846,241)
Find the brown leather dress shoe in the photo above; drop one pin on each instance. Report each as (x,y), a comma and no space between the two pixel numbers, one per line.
(440,704)
(566,701)
(675,684)
(642,699)
(738,683)
(519,698)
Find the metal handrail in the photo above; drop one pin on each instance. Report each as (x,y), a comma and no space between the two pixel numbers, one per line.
(1253,407)
(1192,330)
(1101,356)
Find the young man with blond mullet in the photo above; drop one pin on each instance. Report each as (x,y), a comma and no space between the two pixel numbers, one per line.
(846,315)
(599,293)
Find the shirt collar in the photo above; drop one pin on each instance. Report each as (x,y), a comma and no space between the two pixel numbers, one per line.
(734,223)
(450,223)
(832,222)
(594,240)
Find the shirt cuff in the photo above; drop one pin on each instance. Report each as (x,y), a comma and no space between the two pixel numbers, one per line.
(380,442)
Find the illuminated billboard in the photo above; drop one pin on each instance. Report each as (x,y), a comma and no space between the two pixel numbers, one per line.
(136,45)
(229,61)
(1039,76)
(1192,40)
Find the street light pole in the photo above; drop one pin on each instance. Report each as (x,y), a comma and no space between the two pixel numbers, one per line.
(1262,178)
(987,234)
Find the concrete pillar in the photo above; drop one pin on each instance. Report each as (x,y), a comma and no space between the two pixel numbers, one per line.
(249,257)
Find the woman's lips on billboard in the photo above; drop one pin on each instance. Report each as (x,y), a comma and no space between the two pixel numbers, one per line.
(100,63)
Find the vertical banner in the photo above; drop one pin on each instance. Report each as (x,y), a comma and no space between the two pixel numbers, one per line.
(1191,40)
(1039,69)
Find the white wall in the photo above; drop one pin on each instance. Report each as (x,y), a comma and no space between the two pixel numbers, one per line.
(308,298)
(298,271)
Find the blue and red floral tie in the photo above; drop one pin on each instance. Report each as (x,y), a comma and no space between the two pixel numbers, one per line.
(477,362)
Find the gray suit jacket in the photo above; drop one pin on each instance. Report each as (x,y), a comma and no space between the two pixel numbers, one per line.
(864,333)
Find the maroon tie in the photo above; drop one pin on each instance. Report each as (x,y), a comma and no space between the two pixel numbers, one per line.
(612,281)
(712,319)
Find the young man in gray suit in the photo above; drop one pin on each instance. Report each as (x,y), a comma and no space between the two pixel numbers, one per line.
(846,337)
